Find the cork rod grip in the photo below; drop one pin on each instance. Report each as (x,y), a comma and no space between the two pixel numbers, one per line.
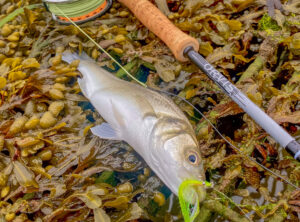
(159,24)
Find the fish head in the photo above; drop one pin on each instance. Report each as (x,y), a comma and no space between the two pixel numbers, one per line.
(179,159)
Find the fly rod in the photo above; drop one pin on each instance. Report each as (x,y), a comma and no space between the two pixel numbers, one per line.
(185,47)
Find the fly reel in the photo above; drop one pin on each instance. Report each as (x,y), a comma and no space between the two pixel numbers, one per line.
(79,11)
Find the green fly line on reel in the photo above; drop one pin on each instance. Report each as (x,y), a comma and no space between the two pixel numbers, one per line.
(79,11)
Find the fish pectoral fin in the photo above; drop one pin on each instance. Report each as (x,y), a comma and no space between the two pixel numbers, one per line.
(105,131)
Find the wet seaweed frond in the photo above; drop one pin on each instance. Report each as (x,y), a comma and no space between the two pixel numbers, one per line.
(53,169)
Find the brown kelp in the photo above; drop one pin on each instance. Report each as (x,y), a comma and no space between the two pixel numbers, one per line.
(53,169)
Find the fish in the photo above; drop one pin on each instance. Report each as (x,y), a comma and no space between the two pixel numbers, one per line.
(148,121)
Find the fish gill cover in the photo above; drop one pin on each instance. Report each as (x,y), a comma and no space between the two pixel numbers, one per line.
(53,169)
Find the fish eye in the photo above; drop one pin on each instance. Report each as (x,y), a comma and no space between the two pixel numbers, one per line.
(193,158)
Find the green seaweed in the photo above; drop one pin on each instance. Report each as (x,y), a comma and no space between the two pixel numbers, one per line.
(28,196)
(107,177)
(18,11)
(266,22)
(129,67)
(152,208)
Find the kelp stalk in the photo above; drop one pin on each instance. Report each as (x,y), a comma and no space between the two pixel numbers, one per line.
(253,69)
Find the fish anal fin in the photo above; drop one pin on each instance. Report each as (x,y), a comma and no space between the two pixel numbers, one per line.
(105,131)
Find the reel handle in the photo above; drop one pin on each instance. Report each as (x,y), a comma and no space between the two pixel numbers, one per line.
(159,24)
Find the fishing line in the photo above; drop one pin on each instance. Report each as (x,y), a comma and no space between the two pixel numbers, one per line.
(183,99)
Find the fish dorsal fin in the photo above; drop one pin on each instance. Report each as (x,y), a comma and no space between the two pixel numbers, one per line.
(105,131)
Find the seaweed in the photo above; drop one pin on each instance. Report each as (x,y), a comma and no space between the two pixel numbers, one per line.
(53,169)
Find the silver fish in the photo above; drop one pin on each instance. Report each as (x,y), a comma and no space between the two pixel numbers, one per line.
(149,122)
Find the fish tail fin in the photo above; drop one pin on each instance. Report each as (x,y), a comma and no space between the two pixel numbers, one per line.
(69,57)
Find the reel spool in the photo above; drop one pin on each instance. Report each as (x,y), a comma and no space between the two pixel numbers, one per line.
(79,11)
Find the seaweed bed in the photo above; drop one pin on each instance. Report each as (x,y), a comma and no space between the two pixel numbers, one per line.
(53,169)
